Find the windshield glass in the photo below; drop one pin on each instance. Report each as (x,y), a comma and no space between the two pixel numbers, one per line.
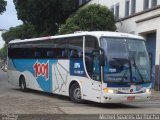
(126,60)
(139,61)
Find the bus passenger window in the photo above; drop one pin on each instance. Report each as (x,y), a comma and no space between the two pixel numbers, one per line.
(60,48)
(80,54)
(37,54)
(50,54)
(75,46)
(74,54)
(61,53)
(64,53)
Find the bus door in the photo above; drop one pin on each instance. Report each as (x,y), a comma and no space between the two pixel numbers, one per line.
(92,86)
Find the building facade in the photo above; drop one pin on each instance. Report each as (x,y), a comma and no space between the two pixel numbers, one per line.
(139,17)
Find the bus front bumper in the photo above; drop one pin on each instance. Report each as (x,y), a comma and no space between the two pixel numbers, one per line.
(123,98)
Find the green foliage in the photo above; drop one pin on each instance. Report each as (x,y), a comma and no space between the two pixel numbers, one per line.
(3,53)
(46,16)
(3,5)
(20,32)
(91,18)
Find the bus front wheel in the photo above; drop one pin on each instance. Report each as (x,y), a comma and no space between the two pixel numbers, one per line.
(75,93)
(22,84)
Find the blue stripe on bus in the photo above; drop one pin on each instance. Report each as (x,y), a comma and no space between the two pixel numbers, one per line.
(117,85)
(45,83)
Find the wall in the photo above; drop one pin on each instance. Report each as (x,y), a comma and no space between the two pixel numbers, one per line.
(130,26)
(109,3)
(140,23)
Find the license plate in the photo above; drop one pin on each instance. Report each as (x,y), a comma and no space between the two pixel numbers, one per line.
(130,98)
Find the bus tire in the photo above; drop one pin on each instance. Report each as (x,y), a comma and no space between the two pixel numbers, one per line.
(22,84)
(75,93)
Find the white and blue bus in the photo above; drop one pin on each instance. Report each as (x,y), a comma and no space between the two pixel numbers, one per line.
(104,67)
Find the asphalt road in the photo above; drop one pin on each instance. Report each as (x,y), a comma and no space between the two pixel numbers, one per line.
(14,102)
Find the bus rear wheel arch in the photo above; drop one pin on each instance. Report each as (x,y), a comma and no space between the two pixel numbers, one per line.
(75,92)
(22,83)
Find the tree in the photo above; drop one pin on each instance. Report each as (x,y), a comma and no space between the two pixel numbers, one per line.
(3,53)
(46,16)
(25,31)
(40,18)
(90,18)
(3,4)
(20,32)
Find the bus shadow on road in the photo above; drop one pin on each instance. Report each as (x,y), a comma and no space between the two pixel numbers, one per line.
(85,103)
(46,94)
(112,105)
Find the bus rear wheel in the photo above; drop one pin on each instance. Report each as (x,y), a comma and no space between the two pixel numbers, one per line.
(22,84)
(75,93)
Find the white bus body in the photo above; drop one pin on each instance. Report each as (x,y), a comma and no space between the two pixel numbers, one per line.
(71,65)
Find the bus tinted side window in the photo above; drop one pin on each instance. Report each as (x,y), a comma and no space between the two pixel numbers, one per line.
(60,48)
(75,46)
(39,49)
(92,64)
(20,53)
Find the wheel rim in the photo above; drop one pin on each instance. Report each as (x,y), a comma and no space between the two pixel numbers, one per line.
(77,93)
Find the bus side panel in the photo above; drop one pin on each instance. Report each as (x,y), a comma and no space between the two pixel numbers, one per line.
(60,73)
(37,72)
(31,82)
(13,74)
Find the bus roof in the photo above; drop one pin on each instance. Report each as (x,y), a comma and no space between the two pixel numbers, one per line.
(97,34)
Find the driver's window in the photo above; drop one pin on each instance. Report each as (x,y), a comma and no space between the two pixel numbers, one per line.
(92,61)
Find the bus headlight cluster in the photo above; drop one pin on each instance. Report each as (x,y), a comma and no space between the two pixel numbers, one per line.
(107,90)
(148,90)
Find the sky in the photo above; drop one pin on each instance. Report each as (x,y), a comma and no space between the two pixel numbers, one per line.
(8,19)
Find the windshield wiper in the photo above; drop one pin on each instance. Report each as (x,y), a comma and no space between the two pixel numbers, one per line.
(136,67)
(124,76)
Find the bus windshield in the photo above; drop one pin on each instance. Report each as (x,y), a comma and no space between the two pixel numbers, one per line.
(126,60)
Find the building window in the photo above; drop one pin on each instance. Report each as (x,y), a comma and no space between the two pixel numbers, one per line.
(133,6)
(117,11)
(145,4)
(154,3)
(127,8)
(112,9)
(82,2)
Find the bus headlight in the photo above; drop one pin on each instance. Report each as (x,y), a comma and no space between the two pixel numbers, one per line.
(148,90)
(107,90)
